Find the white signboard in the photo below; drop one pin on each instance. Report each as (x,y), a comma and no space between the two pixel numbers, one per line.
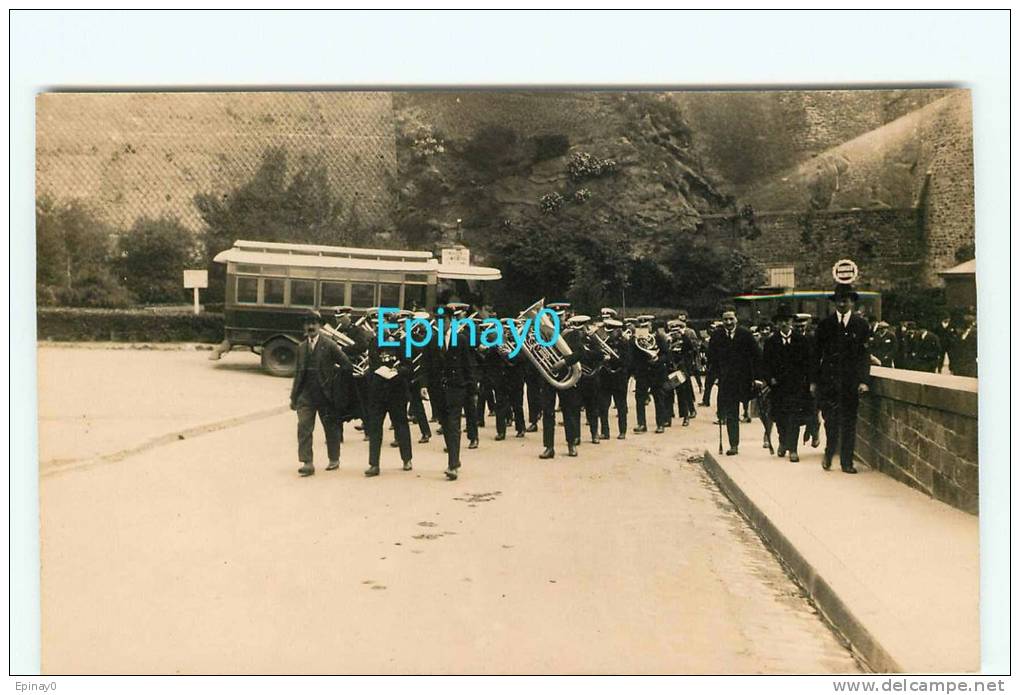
(456,257)
(196,278)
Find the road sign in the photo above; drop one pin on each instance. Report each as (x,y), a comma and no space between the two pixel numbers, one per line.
(196,279)
(845,272)
(457,256)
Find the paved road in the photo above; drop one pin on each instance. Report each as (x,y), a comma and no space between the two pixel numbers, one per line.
(210,554)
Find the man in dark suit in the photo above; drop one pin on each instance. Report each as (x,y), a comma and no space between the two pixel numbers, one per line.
(786,367)
(734,355)
(387,391)
(320,362)
(963,351)
(841,375)
(883,345)
(928,351)
(456,371)
(614,379)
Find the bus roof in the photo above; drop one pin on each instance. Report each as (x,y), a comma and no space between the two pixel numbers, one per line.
(802,294)
(349,258)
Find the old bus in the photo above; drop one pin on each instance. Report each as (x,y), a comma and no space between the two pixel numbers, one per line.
(758,307)
(269,285)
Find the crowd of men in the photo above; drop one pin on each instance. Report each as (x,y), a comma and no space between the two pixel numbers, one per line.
(791,370)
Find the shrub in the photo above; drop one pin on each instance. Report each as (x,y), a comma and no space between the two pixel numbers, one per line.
(127,325)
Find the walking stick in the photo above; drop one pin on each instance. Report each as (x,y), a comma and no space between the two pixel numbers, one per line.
(720,433)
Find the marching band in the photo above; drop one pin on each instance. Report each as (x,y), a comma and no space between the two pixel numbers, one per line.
(588,369)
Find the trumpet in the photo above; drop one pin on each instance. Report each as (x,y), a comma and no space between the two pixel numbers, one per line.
(597,336)
(546,358)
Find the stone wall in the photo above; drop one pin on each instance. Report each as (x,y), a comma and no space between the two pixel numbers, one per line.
(887,244)
(922,430)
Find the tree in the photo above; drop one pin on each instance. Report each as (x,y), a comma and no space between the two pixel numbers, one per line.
(274,206)
(153,255)
(73,258)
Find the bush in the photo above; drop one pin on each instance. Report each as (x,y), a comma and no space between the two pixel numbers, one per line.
(127,325)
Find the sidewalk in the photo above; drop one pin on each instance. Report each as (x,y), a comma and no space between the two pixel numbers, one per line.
(896,572)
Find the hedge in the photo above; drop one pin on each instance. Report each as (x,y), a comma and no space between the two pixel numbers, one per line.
(127,325)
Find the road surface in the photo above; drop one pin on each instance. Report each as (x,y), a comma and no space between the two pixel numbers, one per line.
(209,554)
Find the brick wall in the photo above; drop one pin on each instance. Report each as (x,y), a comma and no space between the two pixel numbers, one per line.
(921,429)
(887,244)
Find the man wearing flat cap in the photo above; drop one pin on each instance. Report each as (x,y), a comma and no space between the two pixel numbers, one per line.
(841,375)
(320,362)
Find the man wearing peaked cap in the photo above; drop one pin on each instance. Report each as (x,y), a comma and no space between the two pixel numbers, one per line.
(841,374)
(613,380)
(607,312)
(579,320)
(588,385)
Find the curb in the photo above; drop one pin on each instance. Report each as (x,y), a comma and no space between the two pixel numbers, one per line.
(834,610)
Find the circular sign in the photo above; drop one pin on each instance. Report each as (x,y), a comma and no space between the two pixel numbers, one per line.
(845,271)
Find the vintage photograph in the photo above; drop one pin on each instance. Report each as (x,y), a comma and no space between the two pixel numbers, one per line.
(507,382)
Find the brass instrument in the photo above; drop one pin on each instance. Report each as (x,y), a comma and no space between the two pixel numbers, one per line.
(644,340)
(598,335)
(545,358)
(344,340)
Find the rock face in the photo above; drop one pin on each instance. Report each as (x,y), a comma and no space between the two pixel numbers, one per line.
(128,155)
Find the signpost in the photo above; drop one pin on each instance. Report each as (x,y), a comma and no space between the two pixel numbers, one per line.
(456,256)
(195,280)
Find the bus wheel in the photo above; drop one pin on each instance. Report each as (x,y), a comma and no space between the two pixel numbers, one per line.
(279,357)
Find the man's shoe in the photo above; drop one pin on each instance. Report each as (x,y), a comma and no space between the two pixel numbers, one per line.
(660,429)
(372,471)
(793,457)
(686,422)
(500,437)
(807,437)
(473,444)
(333,465)
(571,450)
(577,441)
(408,466)
(424,439)
(814,442)
(481,423)
(781,452)
(622,435)
(640,429)
(732,451)
(533,427)
(547,454)
(746,418)
(669,422)
(394,444)
(604,435)
(826,461)
(520,433)
(306,470)
(439,431)
(849,469)
(596,440)
(451,473)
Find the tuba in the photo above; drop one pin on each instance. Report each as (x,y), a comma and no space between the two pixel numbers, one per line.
(344,340)
(545,358)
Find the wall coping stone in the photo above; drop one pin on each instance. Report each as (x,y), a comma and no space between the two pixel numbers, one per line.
(953,394)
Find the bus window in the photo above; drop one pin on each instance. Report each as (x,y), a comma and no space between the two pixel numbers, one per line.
(362,294)
(414,295)
(302,292)
(389,294)
(247,290)
(332,294)
(272,290)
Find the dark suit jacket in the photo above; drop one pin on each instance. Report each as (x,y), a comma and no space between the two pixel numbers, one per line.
(842,353)
(328,364)
(790,367)
(735,362)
